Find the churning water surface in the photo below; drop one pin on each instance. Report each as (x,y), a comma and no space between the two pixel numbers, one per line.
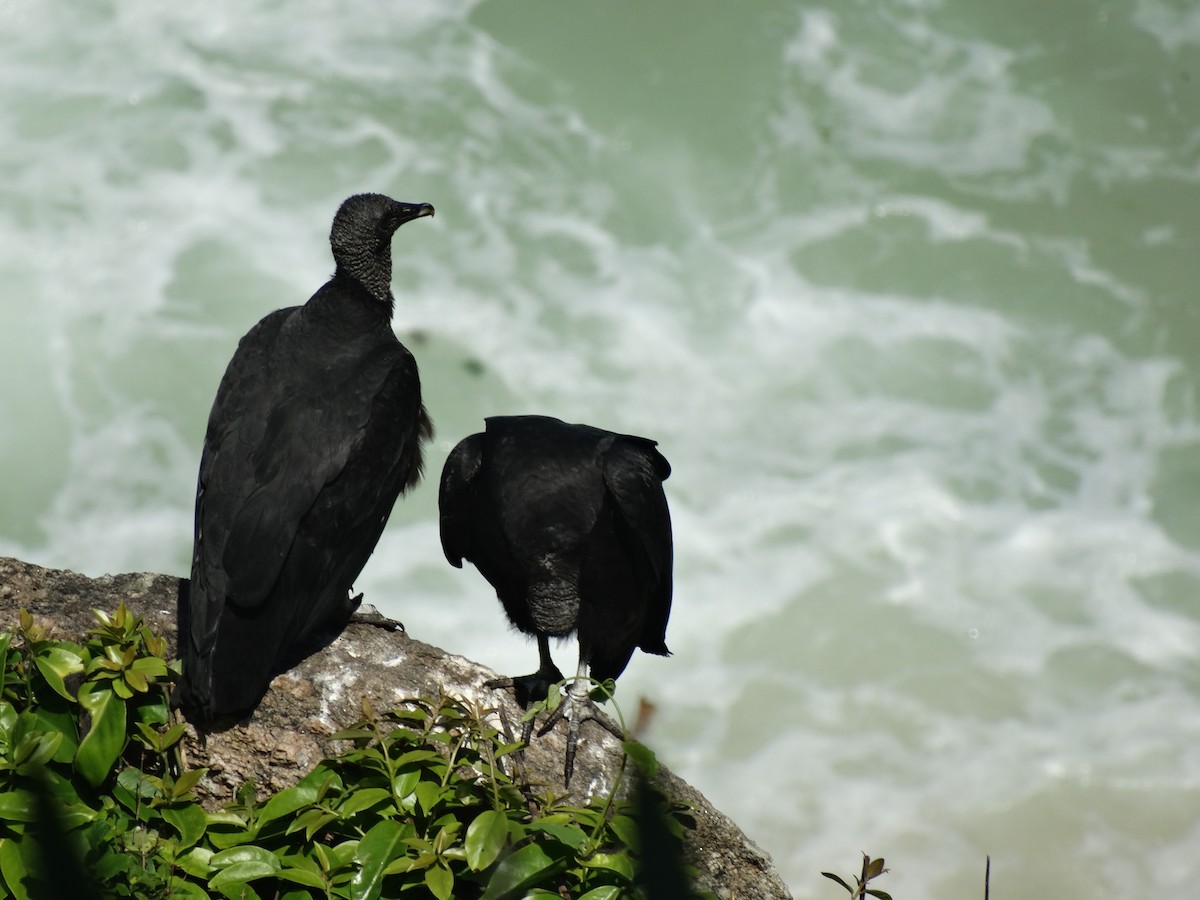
(905,289)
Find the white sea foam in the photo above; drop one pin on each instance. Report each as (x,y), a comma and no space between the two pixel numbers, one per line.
(938,101)
(1175,26)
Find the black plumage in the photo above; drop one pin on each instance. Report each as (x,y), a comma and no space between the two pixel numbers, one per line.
(315,431)
(570,525)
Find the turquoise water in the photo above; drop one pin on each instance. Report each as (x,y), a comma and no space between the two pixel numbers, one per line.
(905,290)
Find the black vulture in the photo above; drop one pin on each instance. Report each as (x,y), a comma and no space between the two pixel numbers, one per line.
(570,525)
(315,431)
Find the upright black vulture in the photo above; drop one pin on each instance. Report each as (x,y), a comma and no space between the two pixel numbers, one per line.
(570,525)
(315,431)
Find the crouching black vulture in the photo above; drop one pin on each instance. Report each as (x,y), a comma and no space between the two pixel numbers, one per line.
(569,524)
(315,431)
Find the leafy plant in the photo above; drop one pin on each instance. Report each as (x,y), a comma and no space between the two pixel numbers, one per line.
(76,722)
(419,804)
(871,869)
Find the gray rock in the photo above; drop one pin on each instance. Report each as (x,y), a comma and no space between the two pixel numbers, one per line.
(291,730)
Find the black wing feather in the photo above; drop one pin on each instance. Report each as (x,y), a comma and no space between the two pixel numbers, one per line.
(456,499)
(633,472)
(296,483)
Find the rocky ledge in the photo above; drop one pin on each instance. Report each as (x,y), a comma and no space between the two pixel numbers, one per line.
(291,731)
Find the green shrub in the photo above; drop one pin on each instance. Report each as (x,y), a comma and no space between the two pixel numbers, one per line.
(94,800)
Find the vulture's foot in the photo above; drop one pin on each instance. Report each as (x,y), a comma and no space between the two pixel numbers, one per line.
(366,614)
(529,688)
(577,707)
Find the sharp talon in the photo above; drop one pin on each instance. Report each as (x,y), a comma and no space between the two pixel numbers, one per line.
(572,741)
(554,718)
(612,729)
(369,615)
(528,688)
(527,732)
(576,705)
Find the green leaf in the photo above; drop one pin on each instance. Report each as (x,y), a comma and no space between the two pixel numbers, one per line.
(189,820)
(136,680)
(643,757)
(324,780)
(241,873)
(243,891)
(35,751)
(440,882)
(226,818)
(195,862)
(166,739)
(571,835)
(8,718)
(137,782)
(323,858)
(288,801)
(61,722)
(104,666)
(353,734)
(506,749)
(151,666)
(297,858)
(154,711)
(149,736)
(401,864)
(448,827)
(17,806)
(376,849)
(247,854)
(13,869)
(882,895)
(302,876)
(833,877)
(311,821)
(625,829)
(613,862)
(429,794)
(405,784)
(518,872)
(121,657)
(224,840)
(77,815)
(114,866)
(606,892)
(187,781)
(604,691)
(363,798)
(187,890)
(121,689)
(55,664)
(874,868)
(420,756)
(486,837)
(105,740)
